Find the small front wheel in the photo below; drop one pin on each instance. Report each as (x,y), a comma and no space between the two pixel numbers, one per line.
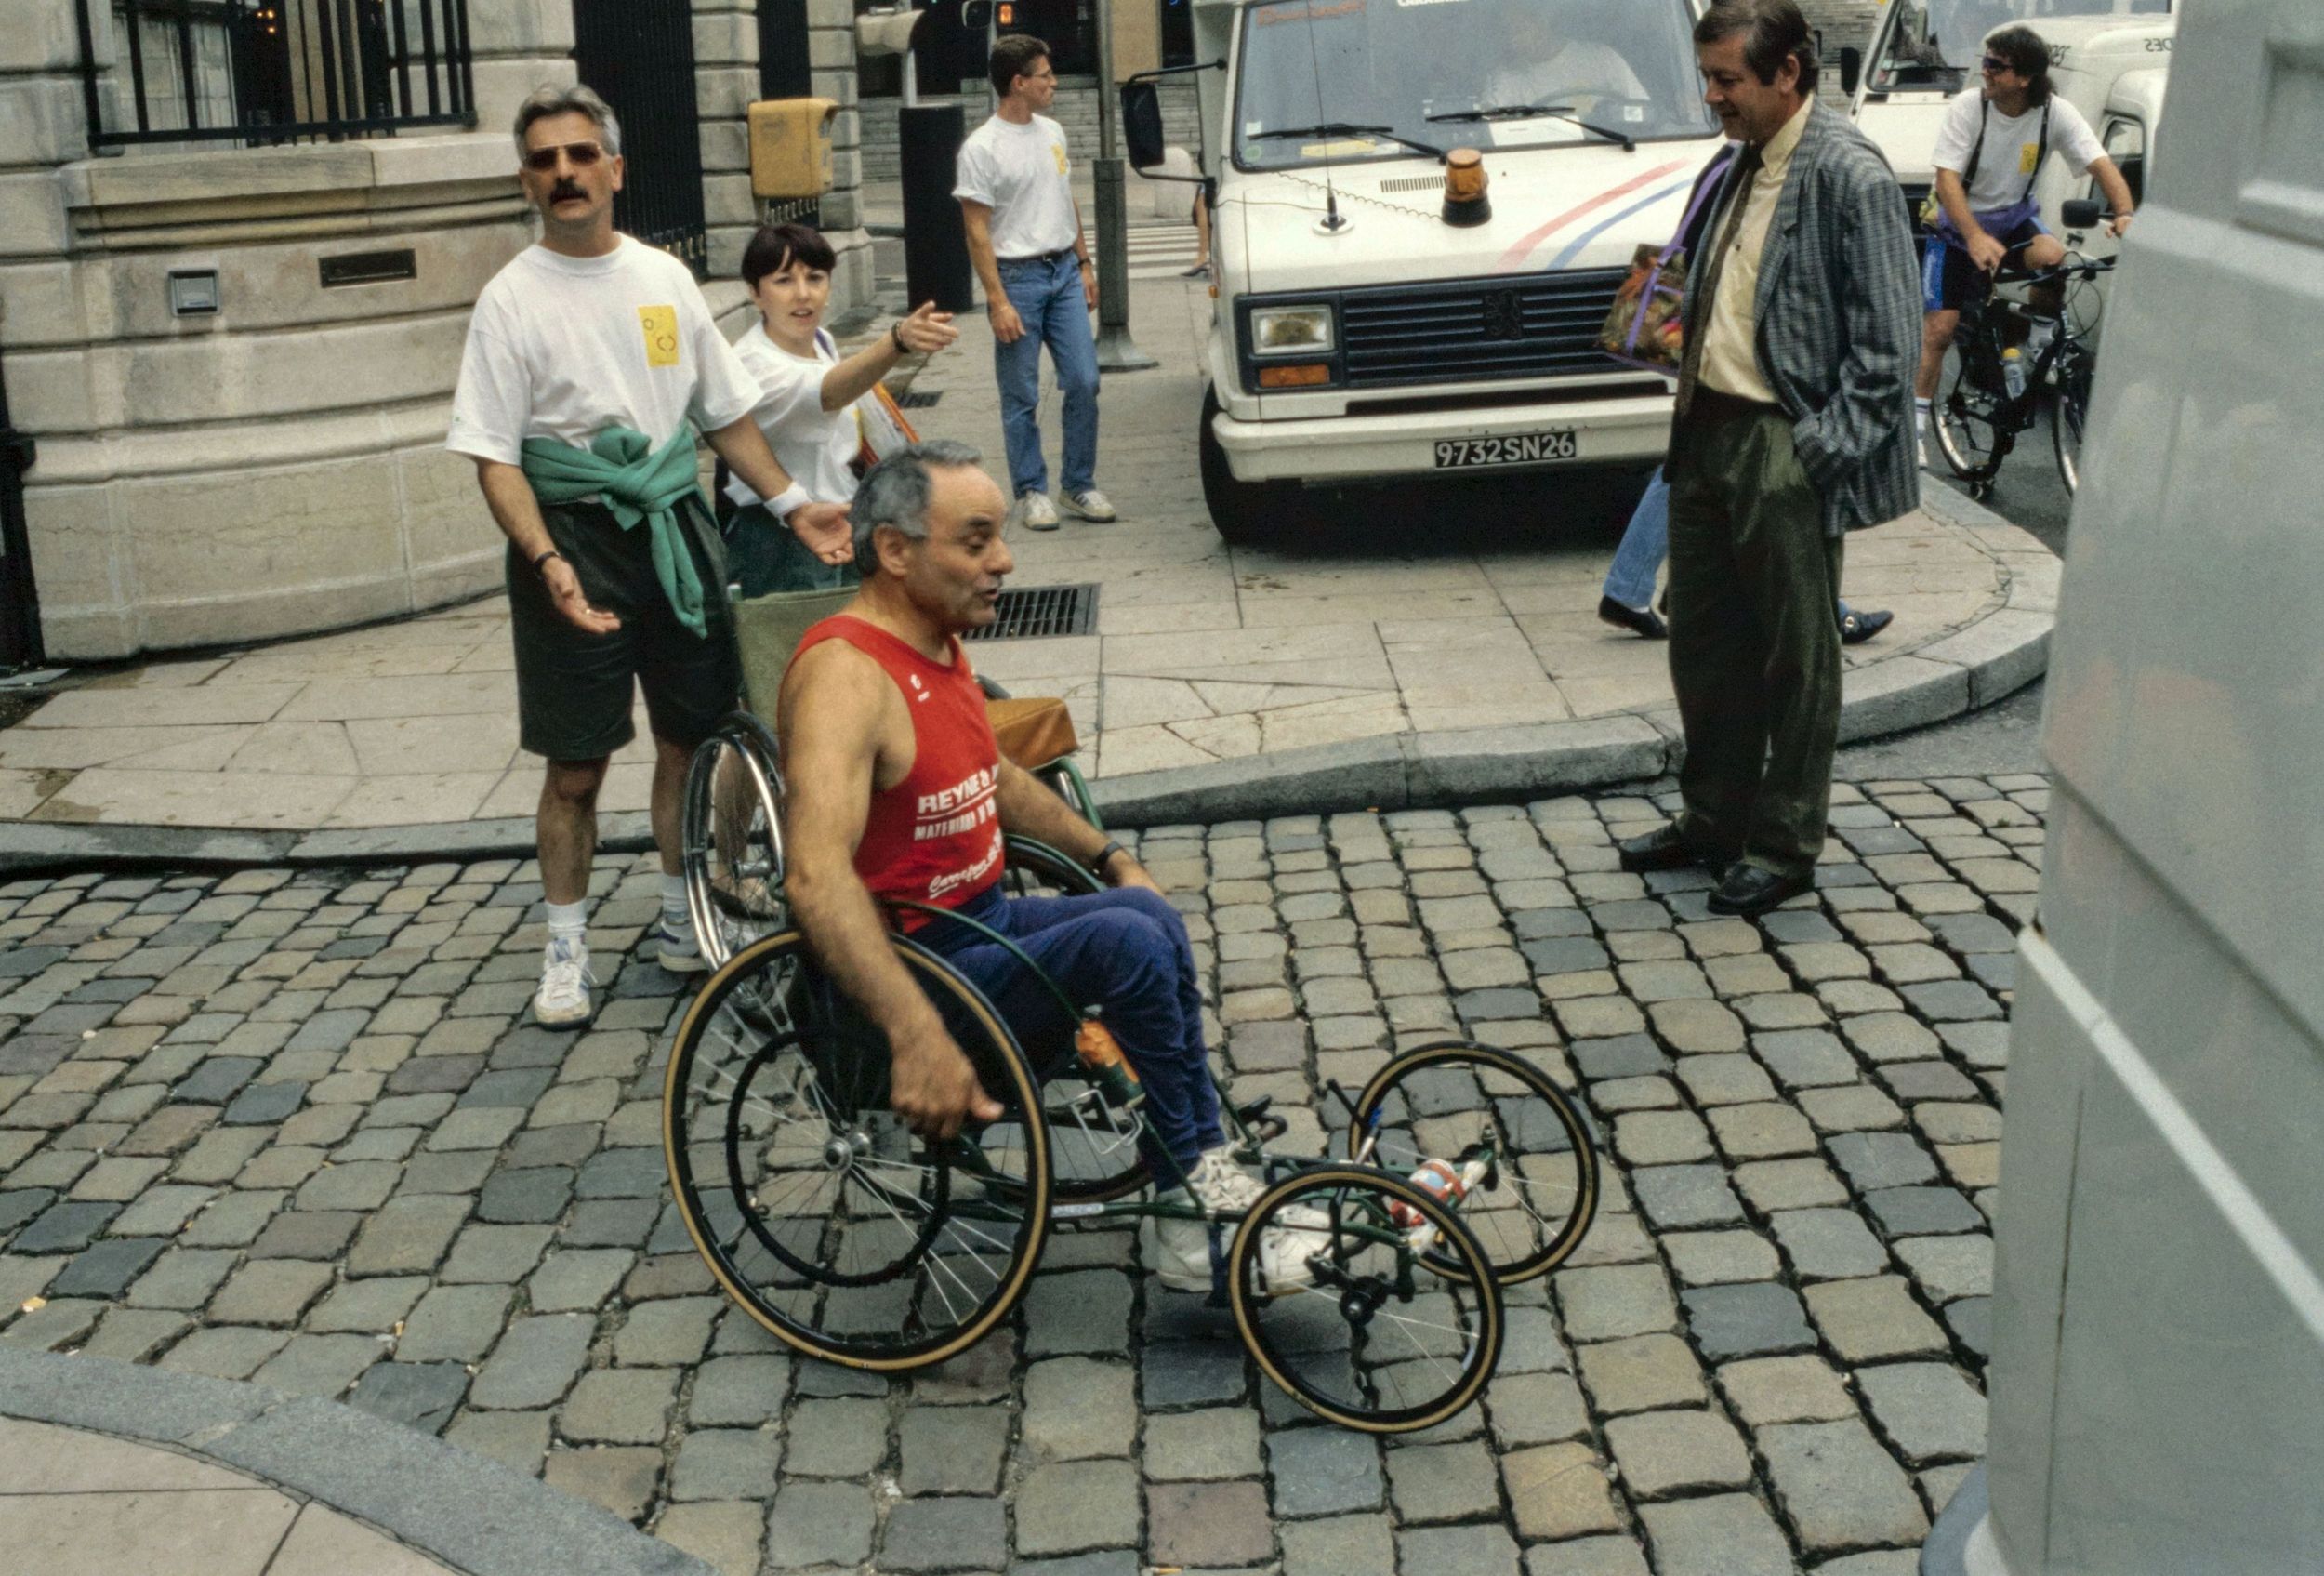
(1366,1298)
(730,838)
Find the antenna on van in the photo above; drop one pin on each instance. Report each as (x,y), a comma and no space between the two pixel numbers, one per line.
(1332,223)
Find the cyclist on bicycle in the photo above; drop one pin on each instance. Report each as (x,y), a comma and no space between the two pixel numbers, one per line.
(897,791)
(1988,155)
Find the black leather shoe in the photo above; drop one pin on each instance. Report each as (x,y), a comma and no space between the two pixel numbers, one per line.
(1858,627)
(1638,620)
(1662,849)
(1747,891)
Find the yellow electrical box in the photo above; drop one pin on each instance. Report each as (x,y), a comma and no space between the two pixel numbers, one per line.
(790,147)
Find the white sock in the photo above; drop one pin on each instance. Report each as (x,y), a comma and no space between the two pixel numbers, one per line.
(569,922)
(674,911)
(2038,335)
(1920,417)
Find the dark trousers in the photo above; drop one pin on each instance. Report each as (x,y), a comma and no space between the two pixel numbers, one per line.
(1124,951)
(1754,653)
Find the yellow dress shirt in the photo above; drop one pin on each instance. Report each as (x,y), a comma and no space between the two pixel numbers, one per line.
(1730,355)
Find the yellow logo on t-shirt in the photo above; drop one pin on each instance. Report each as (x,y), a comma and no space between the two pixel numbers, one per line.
(1059,149)
(660,325)
(2029,158)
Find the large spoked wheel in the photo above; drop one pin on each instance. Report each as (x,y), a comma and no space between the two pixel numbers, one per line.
(1463,1102)
(1092,1147)
(845,1235)
(1366,1298)
(731,837)
(2071,411)
(1970,416)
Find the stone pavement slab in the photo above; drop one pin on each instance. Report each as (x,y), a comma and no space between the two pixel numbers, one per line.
(454,1227)
(1390,665)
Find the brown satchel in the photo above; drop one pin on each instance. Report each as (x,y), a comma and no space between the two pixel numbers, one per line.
(1033,732)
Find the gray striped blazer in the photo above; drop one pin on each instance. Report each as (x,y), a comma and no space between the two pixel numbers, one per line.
(1839,304)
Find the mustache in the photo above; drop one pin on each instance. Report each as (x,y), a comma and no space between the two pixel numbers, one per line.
(564,189)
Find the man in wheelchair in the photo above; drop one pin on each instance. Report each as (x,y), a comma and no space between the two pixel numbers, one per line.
(897,794)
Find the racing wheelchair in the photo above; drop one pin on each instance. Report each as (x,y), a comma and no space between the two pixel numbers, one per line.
(1458,1170)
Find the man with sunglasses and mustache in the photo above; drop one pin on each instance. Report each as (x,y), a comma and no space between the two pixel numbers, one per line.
(591,364)
(1988,152)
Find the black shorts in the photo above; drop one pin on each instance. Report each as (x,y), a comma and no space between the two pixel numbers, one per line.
(572,687)
(1949,280)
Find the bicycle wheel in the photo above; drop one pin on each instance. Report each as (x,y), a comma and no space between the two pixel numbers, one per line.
(1351,1314)
(1972,417)
(1093,1146)
(845,1235)
(2072,410)
(730,838)
(1458,1101)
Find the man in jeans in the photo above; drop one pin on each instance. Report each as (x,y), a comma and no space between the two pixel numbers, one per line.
(1041,285)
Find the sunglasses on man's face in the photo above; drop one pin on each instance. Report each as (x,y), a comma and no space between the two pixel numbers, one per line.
(1994,65)
(581,156)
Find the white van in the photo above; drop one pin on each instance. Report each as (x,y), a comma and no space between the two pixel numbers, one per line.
(2158,1355)
(1925,52)
(1359,333)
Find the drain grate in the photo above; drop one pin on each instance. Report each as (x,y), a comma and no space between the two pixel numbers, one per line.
(1033,612)
(914,400)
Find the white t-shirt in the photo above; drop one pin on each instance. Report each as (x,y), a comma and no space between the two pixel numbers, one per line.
(815,444)
(1581,64)
(2011,147)
(563,348)
(1020,173)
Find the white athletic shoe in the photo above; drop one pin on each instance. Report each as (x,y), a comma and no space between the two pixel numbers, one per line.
(563,1001)
(1091,505)
(675,949)
(1221,1187)
(1035,511)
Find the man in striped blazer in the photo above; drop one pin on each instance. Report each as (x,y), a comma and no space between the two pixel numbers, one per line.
(1793,427)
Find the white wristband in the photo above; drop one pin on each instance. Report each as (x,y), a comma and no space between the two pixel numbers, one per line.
(792,498)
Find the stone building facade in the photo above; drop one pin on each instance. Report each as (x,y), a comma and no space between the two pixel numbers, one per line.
(274,466)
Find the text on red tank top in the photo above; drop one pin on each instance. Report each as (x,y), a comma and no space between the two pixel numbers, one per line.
(935,836)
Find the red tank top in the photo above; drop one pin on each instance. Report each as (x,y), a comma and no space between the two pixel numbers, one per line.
(934,838)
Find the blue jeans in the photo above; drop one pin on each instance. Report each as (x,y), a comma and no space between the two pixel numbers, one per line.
(1126,951)
(1048,301)
(1646,543)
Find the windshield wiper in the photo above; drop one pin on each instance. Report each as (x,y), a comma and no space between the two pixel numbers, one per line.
(1345,128)
(1529,112)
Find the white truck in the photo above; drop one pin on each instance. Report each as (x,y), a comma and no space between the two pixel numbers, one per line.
(1925,52)
(1366,328)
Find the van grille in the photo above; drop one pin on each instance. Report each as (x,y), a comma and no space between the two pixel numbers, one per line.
(1529,326)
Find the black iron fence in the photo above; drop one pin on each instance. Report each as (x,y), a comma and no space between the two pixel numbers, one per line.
(640,55)
(256,71)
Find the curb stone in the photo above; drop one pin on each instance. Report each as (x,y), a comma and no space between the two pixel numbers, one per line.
(1967,670)
(461,1508)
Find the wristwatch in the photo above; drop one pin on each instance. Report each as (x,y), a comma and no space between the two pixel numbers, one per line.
(544,558)
(1105,856)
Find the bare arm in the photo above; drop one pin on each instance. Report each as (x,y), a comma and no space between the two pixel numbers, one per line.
(1030,809)
(976,219)
(822,527)
(2117,190)
(518,513)
(834,703)
(924,332)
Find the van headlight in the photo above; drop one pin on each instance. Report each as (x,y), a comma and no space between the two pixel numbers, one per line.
(1290,331)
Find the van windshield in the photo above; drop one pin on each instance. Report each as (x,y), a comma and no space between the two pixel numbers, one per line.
(1626,65)
(1934,43)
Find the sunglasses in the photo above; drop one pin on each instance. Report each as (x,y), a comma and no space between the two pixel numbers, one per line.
(581,156)
(1994,65)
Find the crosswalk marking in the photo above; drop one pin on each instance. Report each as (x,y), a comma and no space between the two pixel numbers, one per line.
(1160,251)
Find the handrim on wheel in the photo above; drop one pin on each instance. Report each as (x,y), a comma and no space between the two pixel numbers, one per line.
(848,1237)
(1454,1100)
(1353,1316)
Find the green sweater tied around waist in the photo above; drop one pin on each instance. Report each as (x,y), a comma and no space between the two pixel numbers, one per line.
(635,483)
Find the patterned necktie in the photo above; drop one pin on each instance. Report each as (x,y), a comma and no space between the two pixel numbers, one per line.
(1746,166)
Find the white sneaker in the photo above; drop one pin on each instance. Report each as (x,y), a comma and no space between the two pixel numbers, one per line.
(563,1001)
(1091,505)
(1035,513)
(676,948)
(1222,1188)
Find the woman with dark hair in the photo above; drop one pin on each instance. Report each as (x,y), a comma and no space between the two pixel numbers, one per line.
(809,400)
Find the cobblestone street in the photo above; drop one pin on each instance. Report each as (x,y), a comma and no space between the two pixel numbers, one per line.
(291,1126)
